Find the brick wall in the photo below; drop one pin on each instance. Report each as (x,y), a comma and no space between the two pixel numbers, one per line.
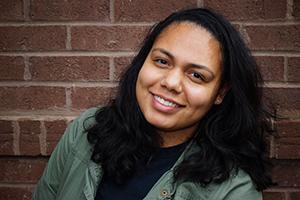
(59,57)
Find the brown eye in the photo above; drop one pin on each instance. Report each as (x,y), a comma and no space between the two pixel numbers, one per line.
(161,61)
(198,76)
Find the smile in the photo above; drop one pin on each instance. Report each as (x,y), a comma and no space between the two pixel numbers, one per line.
(165,102)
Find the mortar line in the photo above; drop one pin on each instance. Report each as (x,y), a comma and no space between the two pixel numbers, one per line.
(27,75)
(112,11)
(289,9)
(112,69)
(68,98)
(74,23)
(16,138)
(70,53)
(69,39)
(58,84)
(285,69)
(43,138)
(200,3)
(26,10)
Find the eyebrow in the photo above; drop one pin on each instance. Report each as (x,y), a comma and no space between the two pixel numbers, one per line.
(190,64)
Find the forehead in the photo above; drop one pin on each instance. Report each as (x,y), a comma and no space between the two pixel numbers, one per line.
(188,32)
(191,43)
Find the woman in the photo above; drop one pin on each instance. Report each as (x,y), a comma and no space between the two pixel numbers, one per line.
(187,123)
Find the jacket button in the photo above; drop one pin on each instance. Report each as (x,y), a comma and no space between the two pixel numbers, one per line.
(164,193)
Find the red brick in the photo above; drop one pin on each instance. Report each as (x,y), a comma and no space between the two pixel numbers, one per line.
(70,10)
(296,9)
(6,138)
(32,38)
(6,127)
(11,10)
(21,170)
(16,193)
(293,69)
(274,37)
(287,148)
(55,130)
(69,68)
(29,137)
(271,67)
(148,11)
(249,10)
(288,128)
(285,100)
(286,173)
(107,38)
(294,196)
(11,68)
(273,196)
(121,63)
(32,98)
(83,98)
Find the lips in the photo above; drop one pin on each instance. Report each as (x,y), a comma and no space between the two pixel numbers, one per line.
(166,101)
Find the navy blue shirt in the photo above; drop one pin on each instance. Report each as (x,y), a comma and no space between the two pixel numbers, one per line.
(145,177)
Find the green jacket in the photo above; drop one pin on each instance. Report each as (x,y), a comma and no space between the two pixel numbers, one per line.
(71,175)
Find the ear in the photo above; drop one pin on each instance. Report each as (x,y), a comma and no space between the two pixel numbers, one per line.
(221,94)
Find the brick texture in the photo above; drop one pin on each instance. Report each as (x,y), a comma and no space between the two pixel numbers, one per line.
(69,68)
(58,58)
(286,173)
(286,37)
(6,137)
(296,9)
(249,10)
(32,38)
(295,195)
(57,10)
(294,69)
(11,68)
(287,144)
(285,101)
(148,11)
(288,128)
(107,38)
(120,65)
(287,148)
(273,196)
(83,98)
(55,130)
(30,137)
(31,98)
(16,193)
(24,170)
(11,10)
(272,68)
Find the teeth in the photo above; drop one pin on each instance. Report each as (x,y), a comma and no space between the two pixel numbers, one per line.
(164,102)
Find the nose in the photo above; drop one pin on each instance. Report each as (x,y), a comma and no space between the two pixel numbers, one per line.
(172,80)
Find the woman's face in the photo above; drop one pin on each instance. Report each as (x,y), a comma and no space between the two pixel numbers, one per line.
(179,80)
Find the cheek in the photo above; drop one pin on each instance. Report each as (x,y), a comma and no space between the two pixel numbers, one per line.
(147,76)
(200,97)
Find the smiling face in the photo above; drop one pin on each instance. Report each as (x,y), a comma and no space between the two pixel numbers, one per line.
(179,81)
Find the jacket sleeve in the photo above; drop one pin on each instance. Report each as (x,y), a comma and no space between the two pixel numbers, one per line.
(239,187)
(50,181)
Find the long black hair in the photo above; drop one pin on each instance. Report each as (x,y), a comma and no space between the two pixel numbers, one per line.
(230,136)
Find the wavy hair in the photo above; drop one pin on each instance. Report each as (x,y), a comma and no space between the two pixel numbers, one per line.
(230,136)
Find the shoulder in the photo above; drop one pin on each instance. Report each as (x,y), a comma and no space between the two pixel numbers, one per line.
(238,186)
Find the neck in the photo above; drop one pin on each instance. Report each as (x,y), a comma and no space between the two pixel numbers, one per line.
(173,138)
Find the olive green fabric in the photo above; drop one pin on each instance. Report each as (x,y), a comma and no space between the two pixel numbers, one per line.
(71,175)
